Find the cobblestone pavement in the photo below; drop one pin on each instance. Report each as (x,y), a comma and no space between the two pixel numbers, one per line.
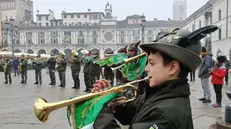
(17,101)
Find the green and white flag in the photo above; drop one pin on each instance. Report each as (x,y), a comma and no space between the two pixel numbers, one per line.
(84,114)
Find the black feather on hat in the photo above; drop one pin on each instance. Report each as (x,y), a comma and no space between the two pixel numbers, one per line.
(134,46)
(221,59)
(123,50)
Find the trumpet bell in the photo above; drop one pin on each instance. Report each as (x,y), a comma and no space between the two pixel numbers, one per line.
(39,109)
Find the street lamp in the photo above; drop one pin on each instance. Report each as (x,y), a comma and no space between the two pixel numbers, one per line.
(143,24)
(12,29)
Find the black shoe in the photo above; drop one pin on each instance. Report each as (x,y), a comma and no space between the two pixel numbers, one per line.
(5,82)
(21,82)
(202,99)
(36,83)
(50,83)
(40,83)
(207,101)
(73,87)
(10,82)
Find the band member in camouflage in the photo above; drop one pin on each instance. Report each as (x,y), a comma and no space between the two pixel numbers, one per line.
(119,75)
(75,69)
(107,71)
(23,67)
(86,64)
(61,68)
(37,64)
(94,69)
(51,66)
(7,70)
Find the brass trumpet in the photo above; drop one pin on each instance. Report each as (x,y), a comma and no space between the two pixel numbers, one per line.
(59,60)
(4,67)
(42,108)
(128,60)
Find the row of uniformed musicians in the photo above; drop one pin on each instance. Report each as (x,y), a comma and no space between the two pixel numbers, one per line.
(91,70)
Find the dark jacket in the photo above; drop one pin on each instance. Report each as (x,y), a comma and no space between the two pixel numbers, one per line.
(24,64)
(108,73)
(94,70)
(76,64)
(37,66)
(87,62)
(51,63)
(9,66)
(62,66)
(15,63)
(164,107)
(206,65)
(227,64)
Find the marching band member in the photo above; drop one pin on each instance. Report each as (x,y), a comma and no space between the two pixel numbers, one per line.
(7,70)
(75,69)
(23,67)
(107,71)
(38,69)
(51,66)
(94,69)
(166,102)
(86,65)
(119,76)
(61,68)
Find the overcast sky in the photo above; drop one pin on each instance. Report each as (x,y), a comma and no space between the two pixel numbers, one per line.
(161,9)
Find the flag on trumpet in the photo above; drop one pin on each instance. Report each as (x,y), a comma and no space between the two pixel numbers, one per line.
(134,69)
(84,114)
(112,60)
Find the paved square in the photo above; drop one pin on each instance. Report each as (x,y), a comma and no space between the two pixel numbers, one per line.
(17,103)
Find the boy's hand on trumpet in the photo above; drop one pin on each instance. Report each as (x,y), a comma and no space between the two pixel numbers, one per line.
(101,85)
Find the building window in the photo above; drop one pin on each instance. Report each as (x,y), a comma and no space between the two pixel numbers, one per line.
(149,31)
(94,33)
(193,27)
(85,16)
(39,18)
(65,16)
(52,24)
(47,18)
(122,32)
(94,40)
(122,40)
(80,40)
(149,39)
(138,31)
(80,33)
(40,24)
(72,16)
(219,14)
(135,39)
(41,41)
(67,33)
(47,24)
(78,16)
(133,32)
(200,24)
(219,34)
(94,17)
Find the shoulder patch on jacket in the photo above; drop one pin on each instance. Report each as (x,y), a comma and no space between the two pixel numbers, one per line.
(154,126)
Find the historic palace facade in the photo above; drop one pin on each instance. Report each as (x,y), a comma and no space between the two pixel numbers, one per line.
(84,30)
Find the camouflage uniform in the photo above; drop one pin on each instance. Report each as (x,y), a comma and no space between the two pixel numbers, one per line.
(87,62)
(24,65)
(61,68)
(119,76)
(107,72)
(8,71)
(51,65)
(75,69)
(38,72)
(94,69)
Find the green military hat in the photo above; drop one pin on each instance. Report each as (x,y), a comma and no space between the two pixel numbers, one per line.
(181,45)
(221,59)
